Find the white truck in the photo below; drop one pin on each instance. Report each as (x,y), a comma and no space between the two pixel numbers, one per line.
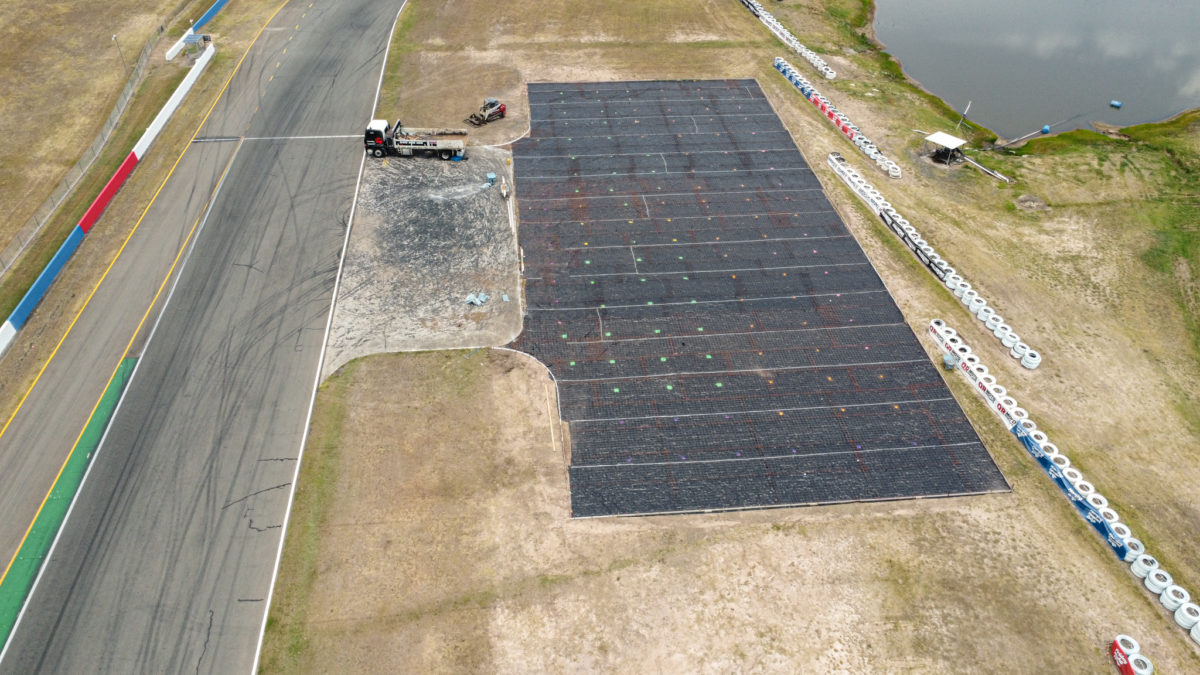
(382,139)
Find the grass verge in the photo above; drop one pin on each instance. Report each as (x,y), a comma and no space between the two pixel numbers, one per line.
(286,636)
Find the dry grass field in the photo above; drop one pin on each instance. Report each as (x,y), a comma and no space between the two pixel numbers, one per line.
(61,73)
(431,530)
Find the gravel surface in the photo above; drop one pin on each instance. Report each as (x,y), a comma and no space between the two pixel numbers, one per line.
(427,234)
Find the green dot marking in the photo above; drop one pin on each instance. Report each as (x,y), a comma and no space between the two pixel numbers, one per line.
(564,336)
(700,329)
(708,356)
(657,331)
(616,390)
(572,363)
(607,333)
(612,360)
(662,358)
(719,385)
(669,387)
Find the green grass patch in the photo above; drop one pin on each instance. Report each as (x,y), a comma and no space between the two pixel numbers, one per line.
(1064,143)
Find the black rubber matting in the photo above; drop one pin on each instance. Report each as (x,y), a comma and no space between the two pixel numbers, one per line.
(719,339)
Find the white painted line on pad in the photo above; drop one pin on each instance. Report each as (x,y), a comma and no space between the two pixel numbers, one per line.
(740,413)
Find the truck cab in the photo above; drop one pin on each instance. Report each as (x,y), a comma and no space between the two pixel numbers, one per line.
(377,136)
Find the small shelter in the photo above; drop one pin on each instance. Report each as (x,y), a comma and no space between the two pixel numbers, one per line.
(946,148)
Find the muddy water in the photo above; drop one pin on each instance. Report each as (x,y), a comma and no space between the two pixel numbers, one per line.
(1027,63)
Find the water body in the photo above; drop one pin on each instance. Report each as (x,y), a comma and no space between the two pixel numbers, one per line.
(1028,63)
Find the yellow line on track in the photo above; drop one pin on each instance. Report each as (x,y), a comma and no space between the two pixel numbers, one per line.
(108,269)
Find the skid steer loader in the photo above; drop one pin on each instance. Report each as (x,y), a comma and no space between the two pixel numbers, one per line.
(490,111)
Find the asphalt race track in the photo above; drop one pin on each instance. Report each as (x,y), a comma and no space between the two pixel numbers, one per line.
(166,560)
(719,339)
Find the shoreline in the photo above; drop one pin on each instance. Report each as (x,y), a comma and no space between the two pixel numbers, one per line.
(1093,126)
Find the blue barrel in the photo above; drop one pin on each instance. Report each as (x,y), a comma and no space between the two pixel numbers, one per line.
(1046,129)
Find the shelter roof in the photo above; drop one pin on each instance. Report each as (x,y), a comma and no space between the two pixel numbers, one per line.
(945,140)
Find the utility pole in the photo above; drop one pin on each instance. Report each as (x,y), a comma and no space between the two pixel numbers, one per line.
(123,62)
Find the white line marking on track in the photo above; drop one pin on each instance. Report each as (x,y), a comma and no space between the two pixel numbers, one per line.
(668,134)
(321,360)
(739,269)
(670,116)
(708,243)
(795,296)
(704,336)
(739,413)
(665,172)
(657,100)
(708,194)
(301,138)
(688,152)
(614,220)
(769,457)
(779,369)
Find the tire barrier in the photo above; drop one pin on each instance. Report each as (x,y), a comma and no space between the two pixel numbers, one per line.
(1090,504)
(1141,665)
(1135,549)
(1143,565)
(1127,655)
(1188,615)
(16,320)
(941,270)
(788,39)
(1158,580)
(1127,645)
(1122,531)
(1173,597)
(842,124)
(1110,515)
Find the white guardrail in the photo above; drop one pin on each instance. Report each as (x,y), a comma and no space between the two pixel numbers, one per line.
(788,39)
(950,277)
(836,117)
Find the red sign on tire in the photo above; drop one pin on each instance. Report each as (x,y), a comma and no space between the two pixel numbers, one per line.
(1120,658)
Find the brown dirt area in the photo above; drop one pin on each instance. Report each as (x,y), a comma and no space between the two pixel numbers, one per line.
(431,534)
(403,569)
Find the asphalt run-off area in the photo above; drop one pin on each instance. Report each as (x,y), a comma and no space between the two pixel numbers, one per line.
(719,338)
